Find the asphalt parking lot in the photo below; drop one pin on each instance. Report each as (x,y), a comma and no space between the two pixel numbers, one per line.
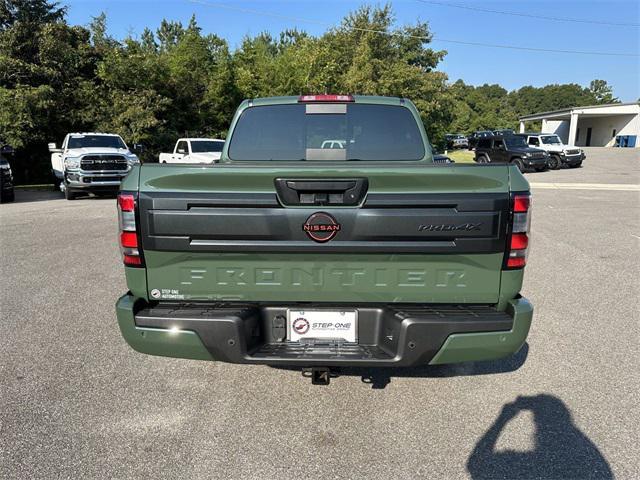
(76,401)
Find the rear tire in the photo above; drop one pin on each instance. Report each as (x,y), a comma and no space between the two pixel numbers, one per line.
(554,162)
(482,159)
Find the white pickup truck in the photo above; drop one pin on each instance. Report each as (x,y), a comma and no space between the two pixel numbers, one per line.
(91,162)
(194,150)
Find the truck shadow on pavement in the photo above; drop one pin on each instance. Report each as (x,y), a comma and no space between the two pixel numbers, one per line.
(561,450)
(379,378)
(28,196)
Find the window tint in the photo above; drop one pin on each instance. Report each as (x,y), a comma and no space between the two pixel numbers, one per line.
(534,141)
(498,143)
(551,140)
(101,141)
(364,132)
(484,143)
(515,142)
(203,146)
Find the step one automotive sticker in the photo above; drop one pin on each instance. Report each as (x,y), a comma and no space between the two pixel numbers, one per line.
(166,294)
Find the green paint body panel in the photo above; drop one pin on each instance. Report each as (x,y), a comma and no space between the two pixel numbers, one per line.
(408,277)
(327,277)
(137,281)
(510,286)
(517,182)
(157,341)
(401,177)
(132,180)
(466,347)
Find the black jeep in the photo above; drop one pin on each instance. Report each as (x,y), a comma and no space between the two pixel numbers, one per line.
(476,136)
(511,149)
(6,177)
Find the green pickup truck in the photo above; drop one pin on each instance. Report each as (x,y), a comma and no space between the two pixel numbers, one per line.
(325,237)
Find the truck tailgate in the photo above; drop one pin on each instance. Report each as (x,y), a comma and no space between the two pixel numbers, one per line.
(418,234)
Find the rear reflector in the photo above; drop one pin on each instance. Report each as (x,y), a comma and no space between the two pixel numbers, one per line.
(519,239)
(326,98)
(516,262)
(132,260)
(129,239)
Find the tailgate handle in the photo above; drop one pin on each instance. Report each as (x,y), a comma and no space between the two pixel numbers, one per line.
(339,186)
(346,192)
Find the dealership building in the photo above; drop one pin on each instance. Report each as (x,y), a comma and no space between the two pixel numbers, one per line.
(613,125)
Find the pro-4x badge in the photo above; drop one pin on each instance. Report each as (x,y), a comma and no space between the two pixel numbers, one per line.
(321,227)
(465,227)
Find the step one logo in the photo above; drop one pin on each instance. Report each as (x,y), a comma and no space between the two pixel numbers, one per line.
(301,325)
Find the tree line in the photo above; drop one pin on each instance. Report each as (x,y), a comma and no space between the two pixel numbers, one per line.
(179,81)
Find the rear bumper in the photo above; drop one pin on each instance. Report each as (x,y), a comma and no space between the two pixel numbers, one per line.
(391,335)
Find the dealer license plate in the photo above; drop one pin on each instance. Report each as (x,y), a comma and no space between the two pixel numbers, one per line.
(322,324)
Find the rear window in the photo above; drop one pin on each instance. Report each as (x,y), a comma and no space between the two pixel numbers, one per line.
(326,132)
(204,146)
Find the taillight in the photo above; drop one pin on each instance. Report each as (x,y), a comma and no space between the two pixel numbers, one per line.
(129,241)
(325,98)
(519,235)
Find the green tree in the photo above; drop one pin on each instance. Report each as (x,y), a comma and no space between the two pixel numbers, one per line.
(177,80)
(492,107)
(42,62)
(602,92)
(29,12)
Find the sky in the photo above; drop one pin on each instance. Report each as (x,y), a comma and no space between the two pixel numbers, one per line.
(475,65)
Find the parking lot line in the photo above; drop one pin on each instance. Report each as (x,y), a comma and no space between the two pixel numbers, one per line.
(587,186)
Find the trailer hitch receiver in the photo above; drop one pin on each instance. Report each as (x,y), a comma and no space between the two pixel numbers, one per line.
(319,375)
